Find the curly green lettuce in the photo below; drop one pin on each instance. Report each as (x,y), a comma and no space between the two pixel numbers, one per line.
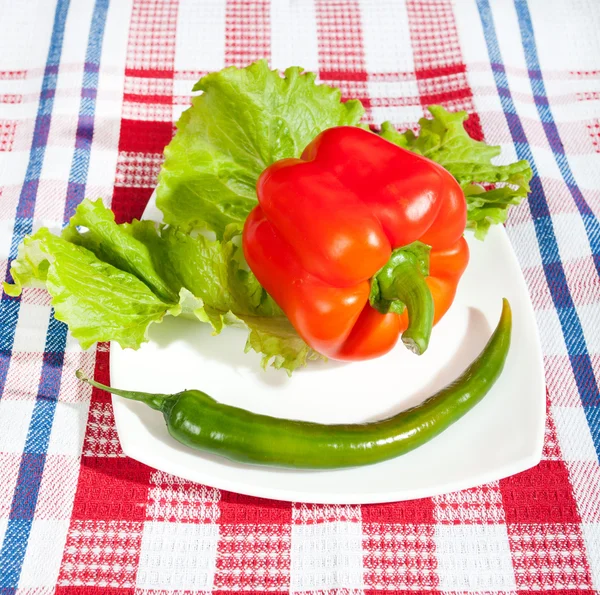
(244,120)
(443,139)
(110,282)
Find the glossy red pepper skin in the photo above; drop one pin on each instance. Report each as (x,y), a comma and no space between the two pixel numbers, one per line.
(326,223)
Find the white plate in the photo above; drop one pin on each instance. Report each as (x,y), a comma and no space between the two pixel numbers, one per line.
(501,436)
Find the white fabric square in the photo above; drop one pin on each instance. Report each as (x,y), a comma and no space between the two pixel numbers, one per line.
(57,488)
(543,157)
(405,89)
(296,41)
(200,35)
(589,315)
(487,105)
(14,424)
(72,390)
(559,24)
(472,40)
(482,82)
(44,553)
(9,472)
(507,29)
(101,173)
(474,558)
(326,556)
(178,556)
(551,337)
(571,236)
(524,242)
(20,45)
(32,327)
(50,205)
(585,480)
(386,36)
(63,129)
(68,428)
(3,525)
(400,116)
(76,37)
(58,159)
(520,86)
(6,233)
(182,91)
(586,176)
(72,345)
(579,114)
(23,376)
(114,53)
(13,166)
(574,437)
(591,537)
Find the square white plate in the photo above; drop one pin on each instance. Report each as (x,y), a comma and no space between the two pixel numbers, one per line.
(501,436)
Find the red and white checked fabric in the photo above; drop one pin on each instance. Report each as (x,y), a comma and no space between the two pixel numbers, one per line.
(92,521)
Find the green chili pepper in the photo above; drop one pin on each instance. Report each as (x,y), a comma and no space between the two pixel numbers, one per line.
(197,420)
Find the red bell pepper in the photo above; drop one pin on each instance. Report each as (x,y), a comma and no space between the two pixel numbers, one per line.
(358,241)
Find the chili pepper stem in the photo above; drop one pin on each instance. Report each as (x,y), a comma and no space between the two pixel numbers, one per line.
(156,401)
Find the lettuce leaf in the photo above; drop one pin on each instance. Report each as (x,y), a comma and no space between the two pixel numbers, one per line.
(110,282)
(443,139)
(99,301)
(245,119)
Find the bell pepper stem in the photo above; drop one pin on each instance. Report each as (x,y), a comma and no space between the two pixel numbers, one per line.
(409,286)
(401,283)
(155,401)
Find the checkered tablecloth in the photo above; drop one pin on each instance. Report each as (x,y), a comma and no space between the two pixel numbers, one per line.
(89,92)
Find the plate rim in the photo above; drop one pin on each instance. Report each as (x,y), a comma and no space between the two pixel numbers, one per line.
(497,473)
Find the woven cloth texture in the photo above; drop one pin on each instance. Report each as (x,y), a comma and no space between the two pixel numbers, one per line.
(89,93)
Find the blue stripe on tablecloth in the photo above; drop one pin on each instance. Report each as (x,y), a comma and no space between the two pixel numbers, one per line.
(40,427)
(540,97)
(588,388)
(13,547)
(544,229)
(9,306)
(87,111)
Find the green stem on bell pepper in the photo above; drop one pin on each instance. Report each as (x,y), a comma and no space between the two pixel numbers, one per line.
(401,283)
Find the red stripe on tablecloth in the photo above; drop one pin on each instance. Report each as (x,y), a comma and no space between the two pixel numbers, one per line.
(149,73)
(145,98)
(8,129)
(247,31)
(541,495)
(12,75)
(341,48)
(439,67)
(253,550)
(150,55)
